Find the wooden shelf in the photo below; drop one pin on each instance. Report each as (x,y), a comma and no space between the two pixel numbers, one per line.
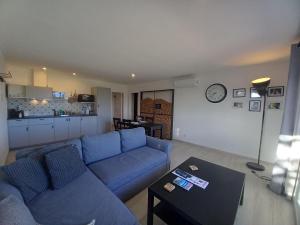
(169,216)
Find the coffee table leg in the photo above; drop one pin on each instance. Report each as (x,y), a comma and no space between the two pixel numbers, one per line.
(150,208)
(242,197)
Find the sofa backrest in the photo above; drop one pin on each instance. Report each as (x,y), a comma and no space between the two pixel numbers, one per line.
(100,147)
(25,152)
(132,138)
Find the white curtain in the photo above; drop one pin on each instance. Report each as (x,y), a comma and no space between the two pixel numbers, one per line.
(285,178)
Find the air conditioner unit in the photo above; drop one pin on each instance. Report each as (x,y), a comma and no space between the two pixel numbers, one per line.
(186,83)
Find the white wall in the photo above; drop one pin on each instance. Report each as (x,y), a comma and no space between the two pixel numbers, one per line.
(62,80)
(3,118)
(220,126)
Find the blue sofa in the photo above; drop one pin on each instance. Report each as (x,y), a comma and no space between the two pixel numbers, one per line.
(120,164)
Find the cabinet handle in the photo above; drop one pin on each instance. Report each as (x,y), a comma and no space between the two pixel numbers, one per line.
(52,126)
(42,119)
(19,120)
(27,128)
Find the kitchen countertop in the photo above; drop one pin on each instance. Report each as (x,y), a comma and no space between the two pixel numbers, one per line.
(51,116)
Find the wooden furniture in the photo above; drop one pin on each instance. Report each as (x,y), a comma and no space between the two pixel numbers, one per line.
(150,128)
(116,123)
(217,204)
(157,107)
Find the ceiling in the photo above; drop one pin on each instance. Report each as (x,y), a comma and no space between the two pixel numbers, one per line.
(155,39)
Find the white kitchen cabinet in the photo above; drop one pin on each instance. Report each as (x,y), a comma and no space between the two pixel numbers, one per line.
(88,125)
(67,128)
(18,133)
(16,91)
(103,109)
(38,92)
(18,136)
(40,134)
(61,129)
(74,127)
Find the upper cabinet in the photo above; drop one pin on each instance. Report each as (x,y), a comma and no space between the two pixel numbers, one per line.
(16,91)
(31,92)
(38,92)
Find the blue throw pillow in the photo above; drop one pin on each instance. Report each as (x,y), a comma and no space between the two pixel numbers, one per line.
(132,138)
(64,165)
(100,147)
(28,176)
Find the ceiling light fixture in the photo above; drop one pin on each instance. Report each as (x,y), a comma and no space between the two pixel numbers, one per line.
(132,75)
(74,74)
(44,68)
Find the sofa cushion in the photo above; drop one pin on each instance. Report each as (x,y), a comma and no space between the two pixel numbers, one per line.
(121,169)
(28,176)
(79,202)
(14,212)
(64,165)
(100,147)
(132,138)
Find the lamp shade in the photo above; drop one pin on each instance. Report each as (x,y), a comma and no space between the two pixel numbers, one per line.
(261,85)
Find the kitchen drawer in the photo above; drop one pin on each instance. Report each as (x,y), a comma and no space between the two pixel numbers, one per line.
(17,123)
(40,121)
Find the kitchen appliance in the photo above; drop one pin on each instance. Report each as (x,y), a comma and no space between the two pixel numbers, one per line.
(57,95)
(13,113)
(86,98)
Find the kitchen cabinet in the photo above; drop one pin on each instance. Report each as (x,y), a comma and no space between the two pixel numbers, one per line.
(74,127)
(18,133)
(103,109)
(18,136)
(66,128)
(38,92)
(40,134)
(61,129)
(88,125)
(16,91)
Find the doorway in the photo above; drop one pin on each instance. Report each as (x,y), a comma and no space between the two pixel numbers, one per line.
(117,105)
(158,107)
(134,100)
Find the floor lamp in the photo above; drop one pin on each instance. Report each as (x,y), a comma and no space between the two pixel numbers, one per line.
(261,85)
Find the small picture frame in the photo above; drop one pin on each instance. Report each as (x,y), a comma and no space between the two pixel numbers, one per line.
(274,105)
(237,105)
(254,93)
(277,91)
(254,105)
(239,93)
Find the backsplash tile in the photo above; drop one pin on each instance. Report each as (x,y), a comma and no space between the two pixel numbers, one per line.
(45,108)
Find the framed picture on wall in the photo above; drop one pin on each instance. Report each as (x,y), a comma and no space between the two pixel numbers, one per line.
(237,105)
(274,105)
(239,93)
(276,91)
(254,105)
(254,93)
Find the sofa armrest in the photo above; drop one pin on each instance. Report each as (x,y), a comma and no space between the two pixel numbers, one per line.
(162,145)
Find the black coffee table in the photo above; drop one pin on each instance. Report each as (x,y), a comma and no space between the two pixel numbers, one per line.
(216,205)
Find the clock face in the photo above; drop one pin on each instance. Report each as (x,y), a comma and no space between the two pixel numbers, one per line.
(216,93)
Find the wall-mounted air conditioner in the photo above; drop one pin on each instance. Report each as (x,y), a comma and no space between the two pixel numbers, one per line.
(186,83)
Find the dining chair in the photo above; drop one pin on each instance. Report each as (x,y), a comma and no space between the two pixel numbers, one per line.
(116,123)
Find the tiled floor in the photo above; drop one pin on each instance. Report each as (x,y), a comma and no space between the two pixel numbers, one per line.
(261,206)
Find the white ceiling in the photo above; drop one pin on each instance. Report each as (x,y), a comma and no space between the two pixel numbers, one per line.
(155,39)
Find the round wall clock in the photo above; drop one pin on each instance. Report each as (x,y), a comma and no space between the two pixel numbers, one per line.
(216,93)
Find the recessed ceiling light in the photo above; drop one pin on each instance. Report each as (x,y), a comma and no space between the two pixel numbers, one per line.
(44,68)
(132,75)
(74,74)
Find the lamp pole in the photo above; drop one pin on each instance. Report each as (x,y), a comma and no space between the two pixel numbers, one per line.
(262,87)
